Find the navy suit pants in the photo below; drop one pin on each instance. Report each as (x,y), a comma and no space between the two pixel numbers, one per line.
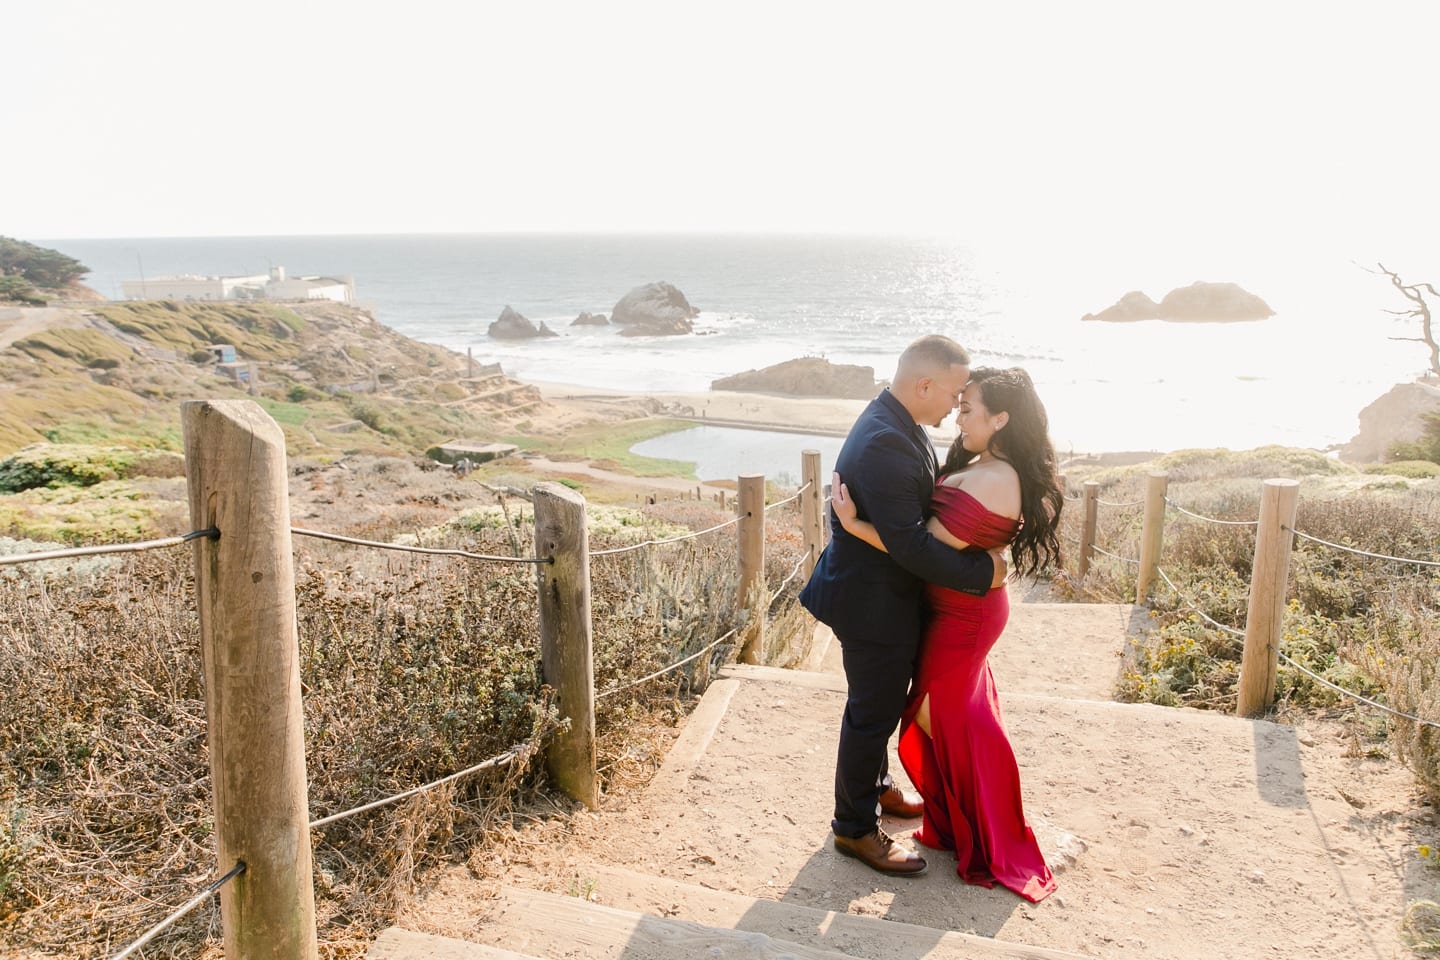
(878,674)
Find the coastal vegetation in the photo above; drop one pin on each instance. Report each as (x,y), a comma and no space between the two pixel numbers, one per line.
(1367,625)
(1425,450)
(27,270)
(414,667)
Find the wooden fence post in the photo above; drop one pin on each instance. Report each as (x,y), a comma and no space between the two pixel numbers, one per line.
(1152,535)
(565,639)
(812,506)
(1089,503)
(1266,614)
(249,638)
(750,506)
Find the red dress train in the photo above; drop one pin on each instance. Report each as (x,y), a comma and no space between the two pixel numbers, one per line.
(965,768)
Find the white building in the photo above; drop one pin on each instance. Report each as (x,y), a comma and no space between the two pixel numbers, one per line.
(341,289)
(276,286)
(189,287)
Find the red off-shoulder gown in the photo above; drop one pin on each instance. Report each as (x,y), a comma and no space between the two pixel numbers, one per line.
(965,768)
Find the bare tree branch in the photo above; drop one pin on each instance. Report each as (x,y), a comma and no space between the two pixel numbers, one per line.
(1415,293)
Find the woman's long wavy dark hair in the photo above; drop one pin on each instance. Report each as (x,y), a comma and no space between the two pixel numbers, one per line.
(1024,443)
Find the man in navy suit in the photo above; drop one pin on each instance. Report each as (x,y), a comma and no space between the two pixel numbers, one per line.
(872,599)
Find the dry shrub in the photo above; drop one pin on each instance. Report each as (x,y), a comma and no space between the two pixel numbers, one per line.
(412,668)
(1368,625)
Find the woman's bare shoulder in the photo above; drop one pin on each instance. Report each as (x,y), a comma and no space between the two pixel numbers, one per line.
(995,484)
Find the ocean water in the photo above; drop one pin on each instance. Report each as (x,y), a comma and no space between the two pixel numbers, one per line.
(1299,378)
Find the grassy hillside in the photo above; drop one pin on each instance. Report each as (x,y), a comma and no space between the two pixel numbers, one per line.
(342,382)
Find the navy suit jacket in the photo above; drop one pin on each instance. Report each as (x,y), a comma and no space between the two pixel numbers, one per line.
(888,465)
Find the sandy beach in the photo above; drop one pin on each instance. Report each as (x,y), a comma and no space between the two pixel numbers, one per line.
(826,416)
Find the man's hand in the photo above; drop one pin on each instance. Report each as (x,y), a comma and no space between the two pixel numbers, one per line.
(1002,569)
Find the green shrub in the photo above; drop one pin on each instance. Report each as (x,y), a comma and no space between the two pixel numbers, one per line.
(19,290)
(1427,447)
(50,465)
(1411,469)
(370,415)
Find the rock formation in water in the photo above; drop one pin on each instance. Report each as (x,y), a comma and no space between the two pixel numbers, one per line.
(654,310)
(1201,302)
(514,325)
(805,377)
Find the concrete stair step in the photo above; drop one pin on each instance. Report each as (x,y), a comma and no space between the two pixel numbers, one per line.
(853,935)
(540,924)
(1193,820)
(399,944)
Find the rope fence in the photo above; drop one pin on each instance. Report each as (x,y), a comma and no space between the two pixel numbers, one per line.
(799,564)
(1355,696)
(664,670)
(1275,535)
(519,752)
(255,722)
(1193,608)
(1113,556)
(406,548)
(789,499)
(658,543)
(228,566)
(1232,523)
(15,558)
(1363,553)
(206,892)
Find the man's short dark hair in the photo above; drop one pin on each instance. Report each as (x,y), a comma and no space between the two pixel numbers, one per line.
(933,352)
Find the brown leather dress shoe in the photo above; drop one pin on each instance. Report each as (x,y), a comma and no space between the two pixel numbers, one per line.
(879,851)
(895,802)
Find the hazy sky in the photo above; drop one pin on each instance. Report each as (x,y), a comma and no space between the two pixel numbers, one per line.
(1224,119)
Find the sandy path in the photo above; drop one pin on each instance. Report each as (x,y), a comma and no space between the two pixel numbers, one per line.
(17,323)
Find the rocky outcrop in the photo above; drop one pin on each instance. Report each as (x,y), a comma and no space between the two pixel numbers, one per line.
(590,320)
(805,377)
(1396,417)
(654,310)
(1201,302)
(513,325)
(1133,306)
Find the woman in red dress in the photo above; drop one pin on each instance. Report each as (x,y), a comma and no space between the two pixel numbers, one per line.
(999,485)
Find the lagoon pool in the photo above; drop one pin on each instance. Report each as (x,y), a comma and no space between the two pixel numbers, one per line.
(723,453)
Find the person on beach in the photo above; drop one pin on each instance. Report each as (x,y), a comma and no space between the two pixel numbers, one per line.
(999,486)
(871,597)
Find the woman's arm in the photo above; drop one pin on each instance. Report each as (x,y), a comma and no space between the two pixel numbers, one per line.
(845,512)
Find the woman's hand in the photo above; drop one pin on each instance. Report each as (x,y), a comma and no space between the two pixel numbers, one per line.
(840,502)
